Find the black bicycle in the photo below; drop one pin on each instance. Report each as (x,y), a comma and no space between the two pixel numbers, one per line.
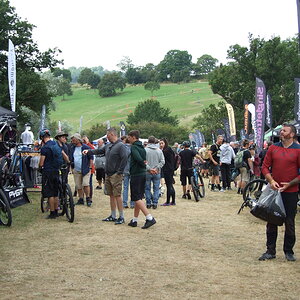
(5,212)
(65,197)
(252,192)
(197,184)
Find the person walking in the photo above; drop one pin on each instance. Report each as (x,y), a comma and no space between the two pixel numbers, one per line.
(116,159)
(81,168)
(155,161)
(284,155)
(226,156)
(138,180)
(168,170)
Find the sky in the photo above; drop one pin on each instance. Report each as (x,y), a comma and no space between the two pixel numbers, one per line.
(100,33)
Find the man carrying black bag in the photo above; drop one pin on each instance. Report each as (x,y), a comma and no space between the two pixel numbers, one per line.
(283,160)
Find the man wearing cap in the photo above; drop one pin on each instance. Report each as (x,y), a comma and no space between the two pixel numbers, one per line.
(81,168)
(61,138)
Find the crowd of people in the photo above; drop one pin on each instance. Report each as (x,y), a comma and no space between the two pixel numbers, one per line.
(126,164)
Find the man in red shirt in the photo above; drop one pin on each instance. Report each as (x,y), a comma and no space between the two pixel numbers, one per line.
(283,160)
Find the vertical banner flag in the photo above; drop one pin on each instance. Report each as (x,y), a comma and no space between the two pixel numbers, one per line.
(43,117)
(192,139)
(231,119)
(246,118)
(12,74)
(59,126)
(213,138)
(196,139)
(200,137)
(80,124)
(260,111)
(251,110)
(122,128)
(298,10)
(107,124)
(297,100)
(227,129)
(269,120)
(242,134)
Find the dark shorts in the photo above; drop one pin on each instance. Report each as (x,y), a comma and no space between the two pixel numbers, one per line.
(137,187)
(50,183)
(214,170)
(100,174)
(186,174)
(205,166)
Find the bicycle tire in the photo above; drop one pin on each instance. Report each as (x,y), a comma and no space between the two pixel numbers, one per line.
(5,211)
(69,204)
(4,169)
(9,134)
(44,204)
(252,192)
(201,187)
(195,189)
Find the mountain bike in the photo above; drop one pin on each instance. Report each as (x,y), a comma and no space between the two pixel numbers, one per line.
(65,197)
(8,132)
(197,184)
(252,192)
(5,212)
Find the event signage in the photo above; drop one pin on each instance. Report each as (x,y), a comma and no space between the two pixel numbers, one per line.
(231,119)
(269,111)
(43,117)
(227,129)
(200,137)
(297,100)
(260,103)
(12,74)
(122,128)
(246,118)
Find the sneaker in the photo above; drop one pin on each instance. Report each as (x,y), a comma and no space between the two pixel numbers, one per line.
(149,223)
(229,189)
(80,202)
(131,206)
(126,206)
(165,204)
(51,216)
(183,196)
(290,257)
(214,190)
(109,219)
(189,196)
(89,203)
(267,256)
(120,221)
(149,206)
(172,203)
(98,187)
(154,206)
(222,190)
(132,223)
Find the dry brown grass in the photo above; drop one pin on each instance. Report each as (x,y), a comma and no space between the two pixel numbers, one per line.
(198,250)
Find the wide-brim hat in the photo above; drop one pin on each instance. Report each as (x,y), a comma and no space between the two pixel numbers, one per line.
(60,133)
(77,136)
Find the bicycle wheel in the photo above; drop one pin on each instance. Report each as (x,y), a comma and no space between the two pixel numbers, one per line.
(8,135)
(195,189)
(69,204)
(4,168)
(5,212)
(44,204)
(252,192)
(201,187)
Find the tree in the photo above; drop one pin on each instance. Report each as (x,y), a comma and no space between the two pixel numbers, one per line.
(133,76)
(152,86)
(64,87)
(66,74)
(205,64)
(125,64)
(174,61)
(110,83)
(274,61)
(87,76)
(31,88)
(151,111)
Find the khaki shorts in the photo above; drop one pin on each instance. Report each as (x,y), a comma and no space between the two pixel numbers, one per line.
(113,185)
(81,181)
(245,175)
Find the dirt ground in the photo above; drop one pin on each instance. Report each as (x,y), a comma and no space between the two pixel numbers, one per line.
(198,250)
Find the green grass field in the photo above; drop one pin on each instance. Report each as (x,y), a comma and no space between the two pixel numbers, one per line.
(185,100)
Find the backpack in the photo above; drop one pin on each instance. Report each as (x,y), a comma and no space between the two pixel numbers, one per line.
(58,159)
(238,160)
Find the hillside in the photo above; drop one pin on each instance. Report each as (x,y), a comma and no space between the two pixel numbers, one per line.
(185,100)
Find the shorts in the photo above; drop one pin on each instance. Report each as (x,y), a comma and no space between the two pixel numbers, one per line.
(245,175)
(81,181)
(214,170)
(186,174)
(137,187)
(50,184)
(113,185)
(205,165)
(100,174)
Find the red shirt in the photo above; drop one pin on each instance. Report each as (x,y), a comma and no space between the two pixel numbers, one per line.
(284,162)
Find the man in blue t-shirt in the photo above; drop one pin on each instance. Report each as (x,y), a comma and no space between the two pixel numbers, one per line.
(50,174)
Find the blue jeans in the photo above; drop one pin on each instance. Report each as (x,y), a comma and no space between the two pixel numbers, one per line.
(155,178)
(126,180)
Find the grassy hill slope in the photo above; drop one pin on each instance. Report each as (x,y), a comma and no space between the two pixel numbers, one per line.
(185,100)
